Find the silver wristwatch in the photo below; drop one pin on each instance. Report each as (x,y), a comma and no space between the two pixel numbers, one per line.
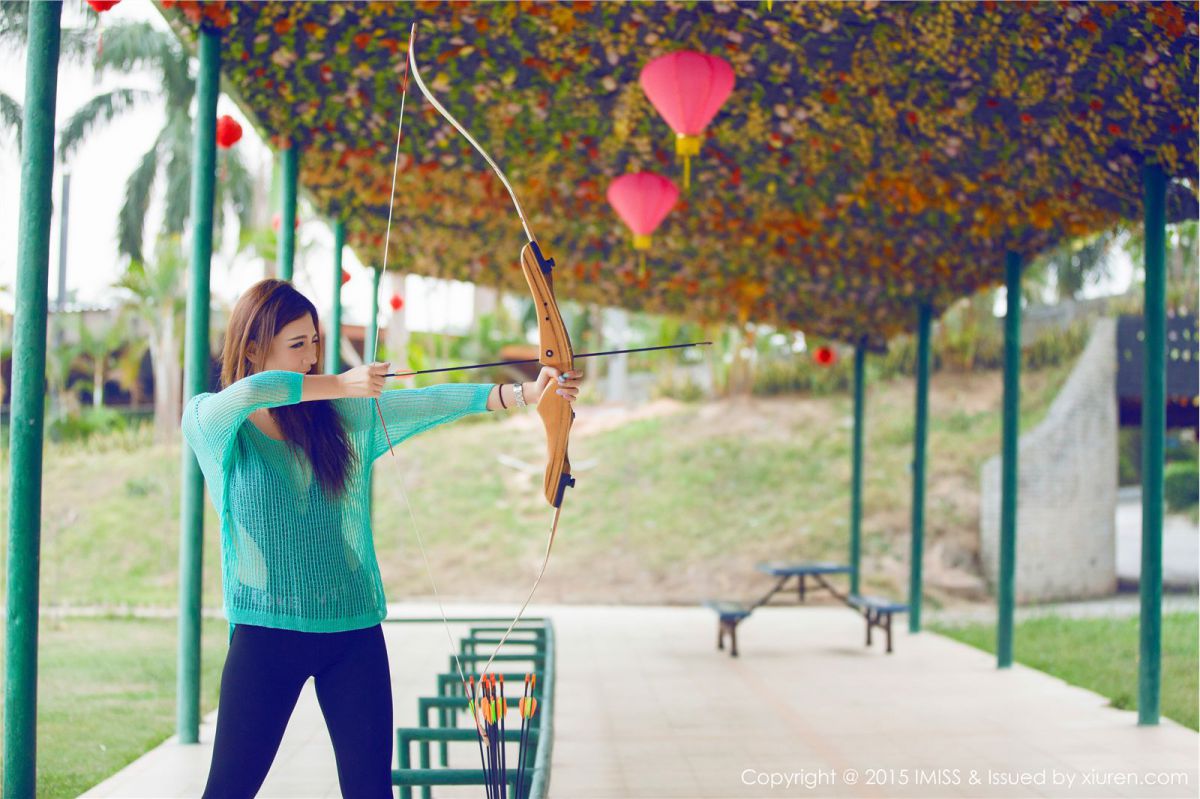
(519,393)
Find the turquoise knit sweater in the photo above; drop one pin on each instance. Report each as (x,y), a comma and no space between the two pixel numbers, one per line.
(293,557)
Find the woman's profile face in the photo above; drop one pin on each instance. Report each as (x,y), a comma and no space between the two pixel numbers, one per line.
(295,348)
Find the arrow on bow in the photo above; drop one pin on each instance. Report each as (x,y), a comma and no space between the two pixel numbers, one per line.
(536,360)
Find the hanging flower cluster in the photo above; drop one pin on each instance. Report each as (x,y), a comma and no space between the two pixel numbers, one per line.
(873,157)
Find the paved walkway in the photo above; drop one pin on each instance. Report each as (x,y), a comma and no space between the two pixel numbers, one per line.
(647,708)
(1118,606)
(1181,545)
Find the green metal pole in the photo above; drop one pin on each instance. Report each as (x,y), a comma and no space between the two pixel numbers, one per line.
(1153,433)
(918,469)
(28,409)
(860,356)
(1008,479)
(371,347)
(196,368)
(290,162)
(333,350)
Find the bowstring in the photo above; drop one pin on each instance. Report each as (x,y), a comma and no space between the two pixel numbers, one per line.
(403,492)
(416,74)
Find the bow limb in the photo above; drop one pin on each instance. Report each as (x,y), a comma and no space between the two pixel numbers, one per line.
(554,351)
(416,73)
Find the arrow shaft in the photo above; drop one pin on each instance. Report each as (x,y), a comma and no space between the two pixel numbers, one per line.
(535,360)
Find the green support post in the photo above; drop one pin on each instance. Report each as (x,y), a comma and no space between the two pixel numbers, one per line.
(860,356)
(289,161)
(196,369)
(1153,433)
(1008,480)
(333,349)
(371,347)
(28,410)
(918,469)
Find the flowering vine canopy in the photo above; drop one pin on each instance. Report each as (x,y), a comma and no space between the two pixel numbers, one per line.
(871,157)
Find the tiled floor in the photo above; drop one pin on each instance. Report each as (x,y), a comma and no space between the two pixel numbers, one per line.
(646,707)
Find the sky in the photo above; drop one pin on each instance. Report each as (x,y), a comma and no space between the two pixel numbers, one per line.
(100,167)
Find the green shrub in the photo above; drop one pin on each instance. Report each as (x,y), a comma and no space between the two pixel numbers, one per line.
(1181,485)
(1178,449)
(683,389)
(1058,347)
(83,425)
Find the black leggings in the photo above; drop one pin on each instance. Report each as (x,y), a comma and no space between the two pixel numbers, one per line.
(264,672)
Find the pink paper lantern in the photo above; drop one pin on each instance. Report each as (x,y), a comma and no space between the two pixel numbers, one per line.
(687,88)
(642,200)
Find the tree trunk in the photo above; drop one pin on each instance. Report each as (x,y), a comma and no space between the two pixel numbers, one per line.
(98,383)
(166,375)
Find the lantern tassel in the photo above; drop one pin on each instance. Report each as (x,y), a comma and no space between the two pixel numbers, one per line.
(685,147)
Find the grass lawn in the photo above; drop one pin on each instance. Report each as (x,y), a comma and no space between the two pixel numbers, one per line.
(1102,656)
(106,695)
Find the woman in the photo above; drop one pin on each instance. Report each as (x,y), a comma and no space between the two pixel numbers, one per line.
(286,453)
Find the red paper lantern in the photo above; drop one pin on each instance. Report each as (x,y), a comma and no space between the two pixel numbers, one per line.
(687,88)
(825,356)
(228,132)
(277,222)
(397,302)
(100,6)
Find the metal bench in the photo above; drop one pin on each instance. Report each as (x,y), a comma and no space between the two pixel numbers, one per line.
(728,616)
(877,611)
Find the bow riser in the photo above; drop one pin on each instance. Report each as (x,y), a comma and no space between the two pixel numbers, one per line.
(556,412)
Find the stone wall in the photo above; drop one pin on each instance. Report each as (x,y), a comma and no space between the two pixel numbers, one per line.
(1067,497)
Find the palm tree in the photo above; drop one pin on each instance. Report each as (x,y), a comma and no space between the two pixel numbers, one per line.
(1069,267)
(99,346)
(76,45)
(158,300)
(127,47)
(133,46)
(127,370)
(60,365)
(1183,249)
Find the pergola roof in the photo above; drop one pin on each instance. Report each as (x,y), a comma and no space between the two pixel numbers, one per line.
(872,155)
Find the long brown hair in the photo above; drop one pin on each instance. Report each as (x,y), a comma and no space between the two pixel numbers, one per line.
(314,426)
